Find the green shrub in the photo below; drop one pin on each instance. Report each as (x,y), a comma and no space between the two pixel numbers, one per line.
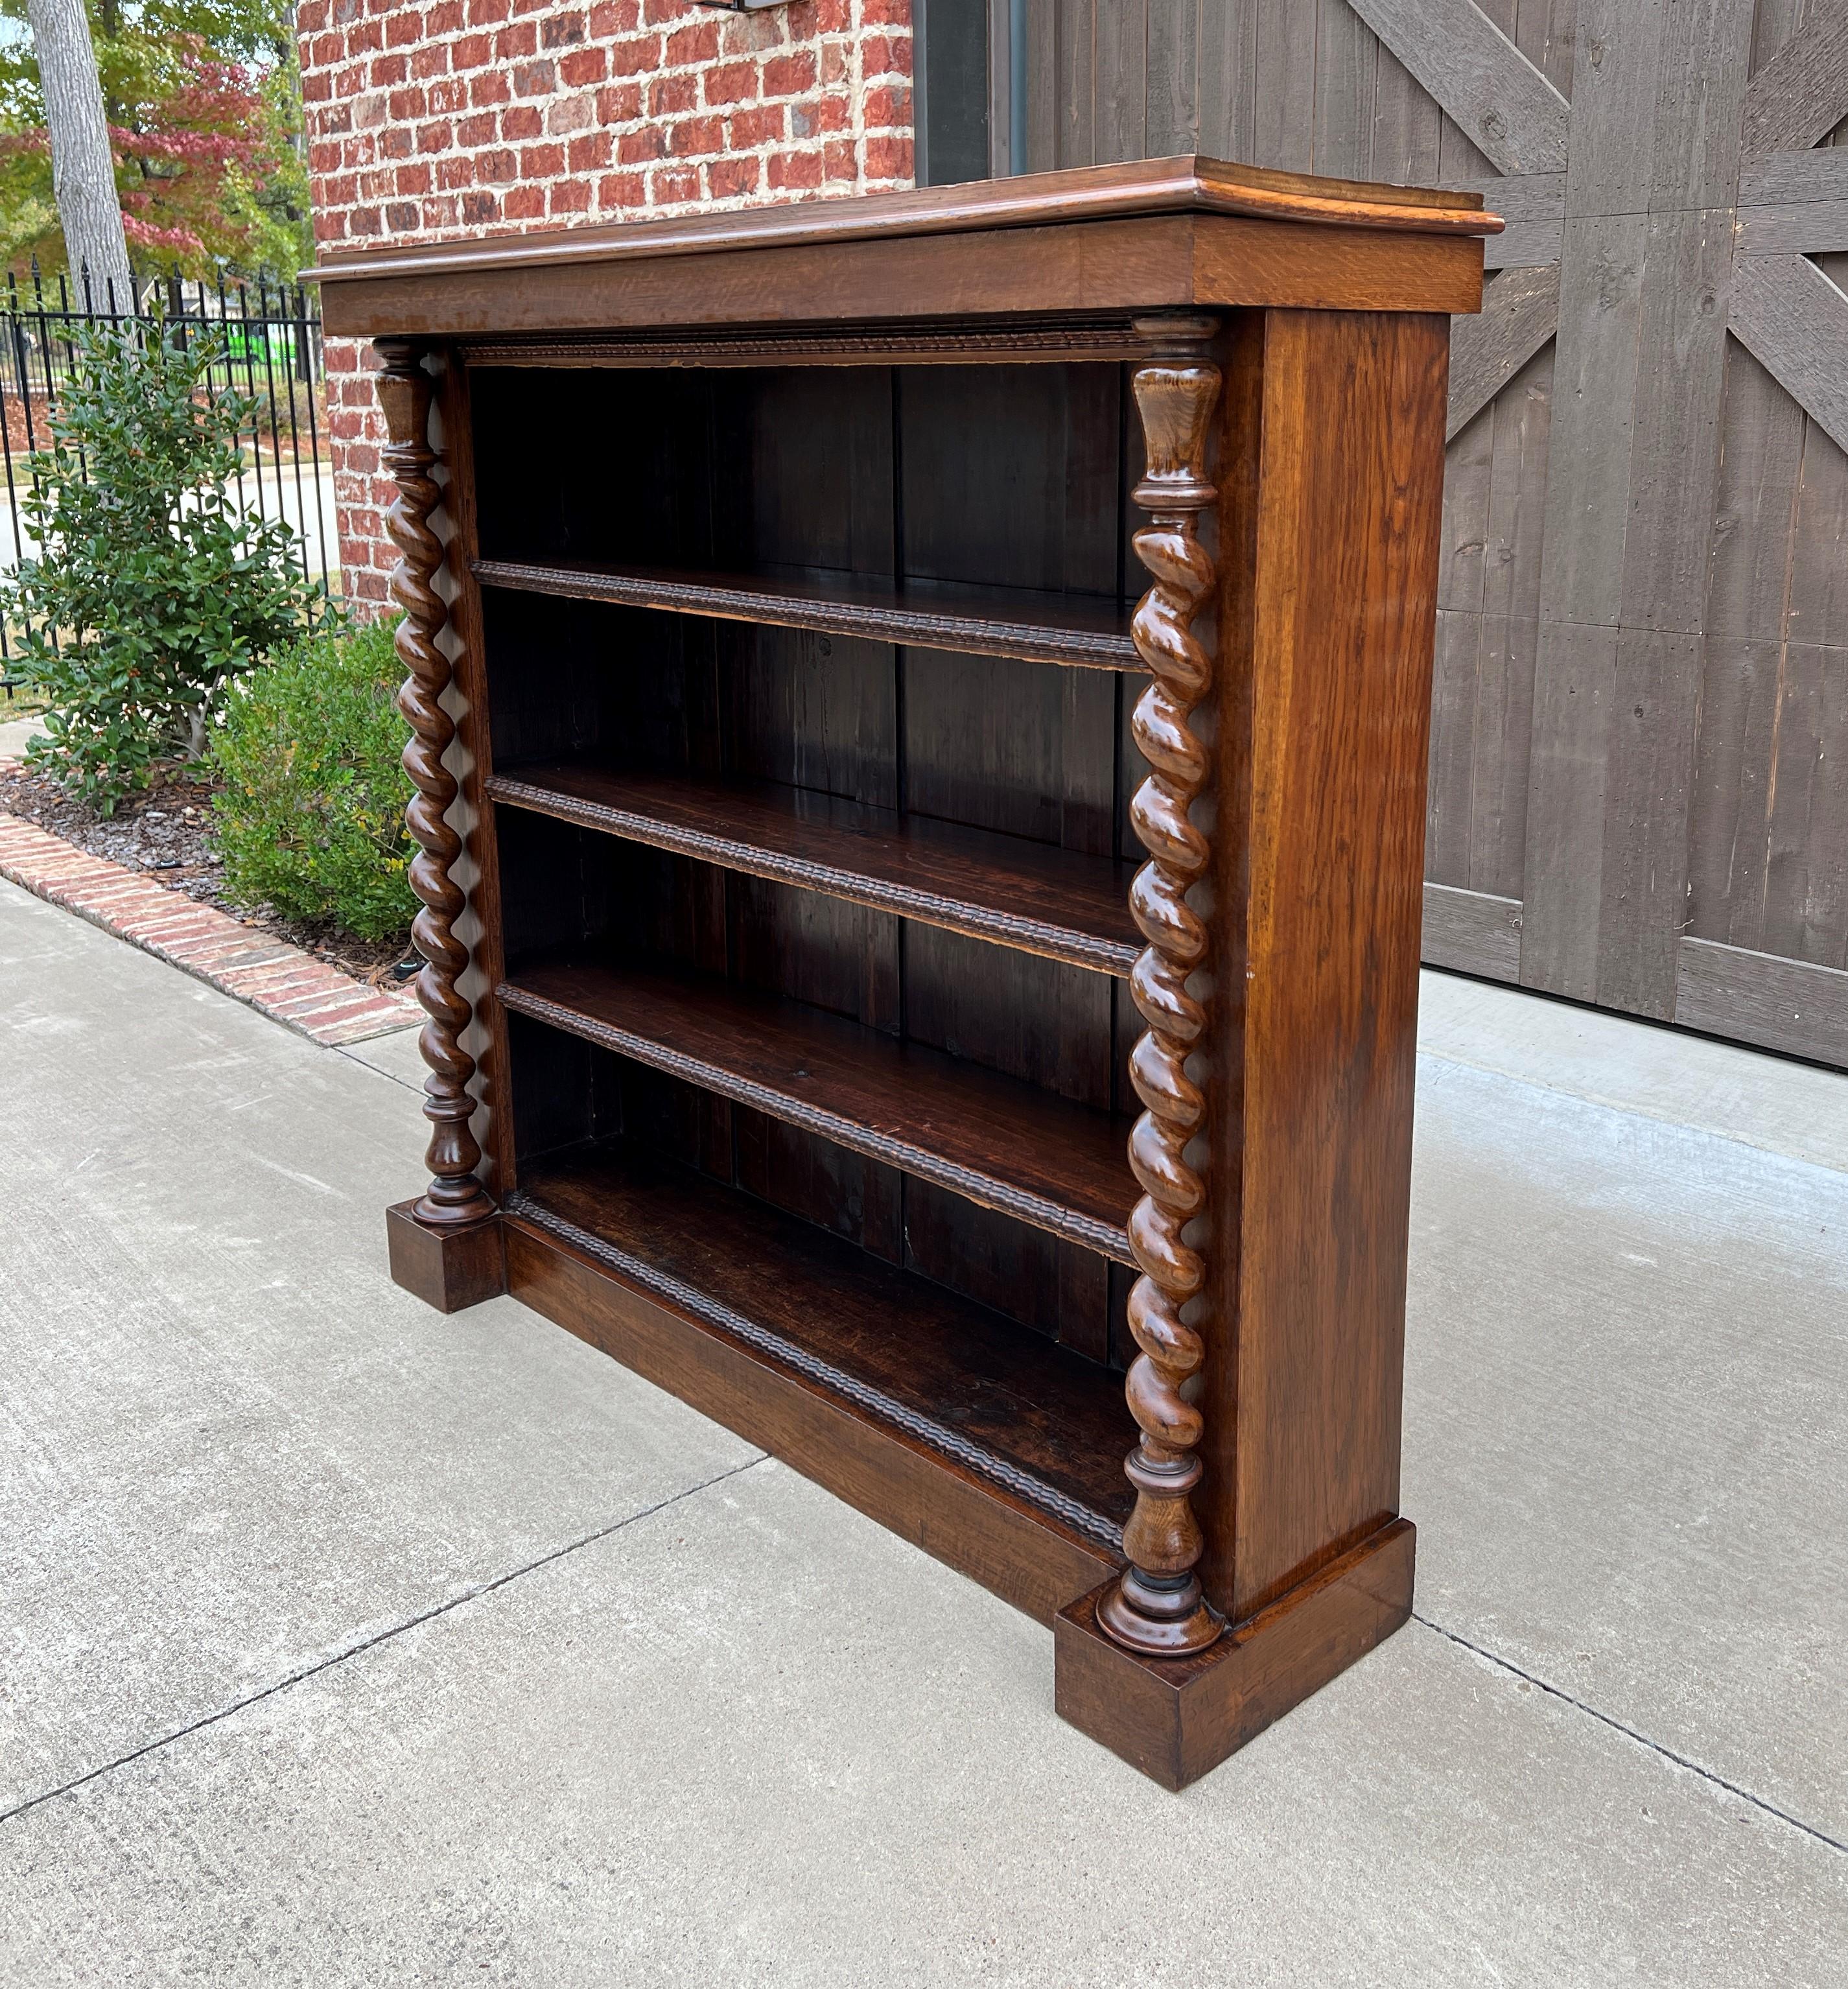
(150,591)
(311,819)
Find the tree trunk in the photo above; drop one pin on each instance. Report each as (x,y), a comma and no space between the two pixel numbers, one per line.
(83,174)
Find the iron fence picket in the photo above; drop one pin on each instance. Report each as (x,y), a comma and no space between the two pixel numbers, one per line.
(301,502)
(271,352)
(12,508)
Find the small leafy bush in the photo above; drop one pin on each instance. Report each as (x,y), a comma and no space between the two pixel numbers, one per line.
(311,818)
(151,592)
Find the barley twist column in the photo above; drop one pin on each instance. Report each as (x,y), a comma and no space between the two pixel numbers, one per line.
(1157,1606)
(454,1196)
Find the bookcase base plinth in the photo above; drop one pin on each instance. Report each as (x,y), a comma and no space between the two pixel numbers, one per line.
(1174,1719)
(448,1268)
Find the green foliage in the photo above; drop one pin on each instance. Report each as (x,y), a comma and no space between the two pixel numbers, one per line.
(264,200)
(311,818)
(150,592)
(203,99)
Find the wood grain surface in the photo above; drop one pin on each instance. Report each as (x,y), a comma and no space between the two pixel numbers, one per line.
(1187,184)
(1005,888)
(1331,580)
(941,614)
(995,1402)
(1177,1721)
(1003,1143)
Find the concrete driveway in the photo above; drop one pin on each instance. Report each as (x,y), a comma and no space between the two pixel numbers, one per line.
(341,1643)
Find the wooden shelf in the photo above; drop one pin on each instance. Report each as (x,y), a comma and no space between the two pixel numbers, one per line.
(1006,1144)
(999,1401)
(937,615)
(1003,888)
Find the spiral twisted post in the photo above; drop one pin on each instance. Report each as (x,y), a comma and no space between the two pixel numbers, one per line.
(1157,1606)
(455,1195)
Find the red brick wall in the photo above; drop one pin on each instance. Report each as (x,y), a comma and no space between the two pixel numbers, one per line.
(465,117)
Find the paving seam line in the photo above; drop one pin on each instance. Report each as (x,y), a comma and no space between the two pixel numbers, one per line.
(453,1602)
(1629,1732)
(281,981)
(98,880)
(370,1643)
(412,1085)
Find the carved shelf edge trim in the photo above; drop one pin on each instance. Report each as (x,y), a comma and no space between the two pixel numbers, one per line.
(1027,935)
(828,345)
(920,628)
(1092,1526)
(1026,1207)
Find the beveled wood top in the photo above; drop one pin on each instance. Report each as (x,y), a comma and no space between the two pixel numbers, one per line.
(1186,184)
(1149,235)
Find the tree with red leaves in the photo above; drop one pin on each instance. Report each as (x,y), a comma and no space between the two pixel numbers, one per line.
(203,103)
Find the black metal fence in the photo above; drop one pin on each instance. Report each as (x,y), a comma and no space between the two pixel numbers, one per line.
(272,355)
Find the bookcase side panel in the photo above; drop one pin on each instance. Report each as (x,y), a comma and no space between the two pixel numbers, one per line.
(1328,766)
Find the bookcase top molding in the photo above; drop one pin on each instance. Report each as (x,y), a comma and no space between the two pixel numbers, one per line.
(1144,235)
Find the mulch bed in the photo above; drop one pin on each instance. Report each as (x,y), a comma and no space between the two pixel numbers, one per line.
(164,832)
(22,434)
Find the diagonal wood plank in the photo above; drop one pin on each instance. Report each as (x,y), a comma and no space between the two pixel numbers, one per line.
(1795,322)
(1802,93)
(1520,313)
(1512,114)
(1473,932)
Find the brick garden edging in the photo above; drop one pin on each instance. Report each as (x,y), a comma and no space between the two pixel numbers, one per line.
(268,974)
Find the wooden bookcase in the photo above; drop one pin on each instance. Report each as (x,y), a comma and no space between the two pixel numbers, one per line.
(843,602)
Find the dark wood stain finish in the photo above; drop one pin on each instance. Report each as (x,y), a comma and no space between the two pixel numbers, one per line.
(1026,1555)
(1175,1721)
(1007,1145)
(1158,1608)
(963,1379)
(455,1195)
(1322,756)
(473,811)
(449,1268)
(816,984)
(1166,233)
(945,616)
(1003,888)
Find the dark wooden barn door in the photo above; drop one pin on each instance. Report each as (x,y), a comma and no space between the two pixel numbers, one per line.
(1640,761)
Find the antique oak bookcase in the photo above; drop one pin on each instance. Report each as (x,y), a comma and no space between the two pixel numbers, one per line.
(920,761)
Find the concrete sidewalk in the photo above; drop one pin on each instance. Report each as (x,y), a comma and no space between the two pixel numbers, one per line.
(343,1644)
